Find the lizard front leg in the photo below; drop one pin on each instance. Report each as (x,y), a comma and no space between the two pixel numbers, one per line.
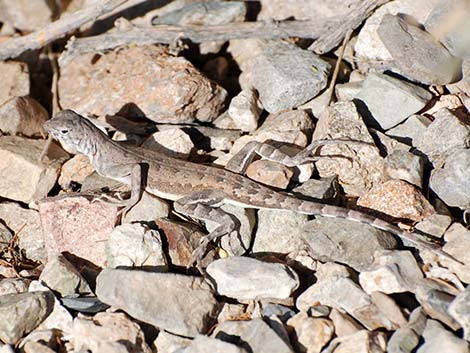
(204,205)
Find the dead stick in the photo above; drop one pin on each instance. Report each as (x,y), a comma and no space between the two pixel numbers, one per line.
(67,24)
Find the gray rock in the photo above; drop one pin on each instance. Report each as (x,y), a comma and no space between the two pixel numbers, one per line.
(325,189)
(204,344)
(343,294)
(183,305)
(248,333)
(457,244)
(405,339)
(390,100)
(439,340)
(435,225)
(21,313)
(417,54)
(244,110)
(245,278)
(60,276)
(404,165)
(135,244)
(147,209)
(5,237)
(90,305)
(459,309)
(13,285)
(411,129)
(342,240)
(348,91)
(392,272)
(451,182)
(169,343)
(360,342)
(444,134)
(6,348)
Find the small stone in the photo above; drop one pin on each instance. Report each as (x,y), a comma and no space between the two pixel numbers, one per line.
(344,122)
(147,209)
(245,278)
(162,87)
(22,176)
(411,130)
(325,189)
(13,285)
(282,312)
(41,341)
(75,170)
(60,276)
(78,226)
(392,272)
(451,181)
(459,309)
(204,344)
(342,241)
(445,134)
(244,110)
(391,101)
(249,332)
(14,76)
(108,332)
(22,312)
(457,244)
(230,312)
(417,54)
(174,142)
(270,173)
(168,343)
(404,165)
(277,231)
(435,225)
(438,339)
(22,116)
(360,342)
(26,16)
(405,339)
(184,304)
(135,245)
(310,334)
(36,347)
(398,199)
(344,324)
(348,91)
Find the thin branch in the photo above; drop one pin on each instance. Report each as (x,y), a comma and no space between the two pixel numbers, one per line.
(67,24)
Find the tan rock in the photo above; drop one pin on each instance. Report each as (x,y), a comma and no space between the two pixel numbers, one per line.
(26,15)
(311,334)
(75,170)
(270,173)
(22,115)
(14,76)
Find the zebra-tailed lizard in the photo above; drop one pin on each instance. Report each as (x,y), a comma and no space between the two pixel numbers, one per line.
(198,190)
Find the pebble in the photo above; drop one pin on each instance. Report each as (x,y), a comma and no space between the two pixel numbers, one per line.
(270,173)
(405,339)
(74,171)
(360,342)
(22,116)
(147,209)
(13,285)
(244,278)
(438,339)
(411,129)
(174,142)
(244,111)
(311,334)
(457,244)
(169,343)
(404,165)
(459,309)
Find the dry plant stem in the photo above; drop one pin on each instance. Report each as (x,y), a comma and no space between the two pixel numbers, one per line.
(67,24)
(320,29)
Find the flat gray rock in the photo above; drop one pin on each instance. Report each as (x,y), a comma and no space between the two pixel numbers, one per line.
(180,304)
(204,344)
(21,313)
(451,182)
(439,340)
(390,100)
(405,339)
(411,129)
(245,278)
(417,54)
(459,309)
(342,241)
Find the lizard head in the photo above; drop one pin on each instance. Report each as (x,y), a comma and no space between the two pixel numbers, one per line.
(73,131)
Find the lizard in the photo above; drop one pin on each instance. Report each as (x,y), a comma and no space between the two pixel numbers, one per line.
(197,190)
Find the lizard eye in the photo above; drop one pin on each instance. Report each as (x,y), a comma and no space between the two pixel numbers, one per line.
(64,132)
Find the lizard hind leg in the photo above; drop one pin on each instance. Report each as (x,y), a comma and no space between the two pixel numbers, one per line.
(204,205)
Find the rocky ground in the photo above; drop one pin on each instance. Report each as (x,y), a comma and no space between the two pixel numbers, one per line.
(200,80)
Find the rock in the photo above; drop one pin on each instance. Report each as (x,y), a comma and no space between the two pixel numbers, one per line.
(435,335)
(5,348)
(22,116)
(343,294)
(277,231)
(404,165)
(108,332)
(27,225)
(459,309)
(411,130)
(174,142)
(244,278)
(310,334)
(185,309)
(344,324)
(435,225)
(147,209)
(463,85)
(248,333)
(348,91)
(282,312)
(360,342)
(457,244)
(344,122)
(418,56)
(5,237)
(281,83)
(21,313)
(451,181)
(204,344)
(74,171)
(270,173)
(302,9)
(26,16)
(14,76)
(60,276)
(398,199)
(342,241)
(233,312)
(78,226)
(325,189)
(36,347)
(244,111)
(164,88)
(135,245)
(13,285)
(445,134)
(392,272)
(169,343)
(22,176)
(391,101)
(41,341)
(405,339)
